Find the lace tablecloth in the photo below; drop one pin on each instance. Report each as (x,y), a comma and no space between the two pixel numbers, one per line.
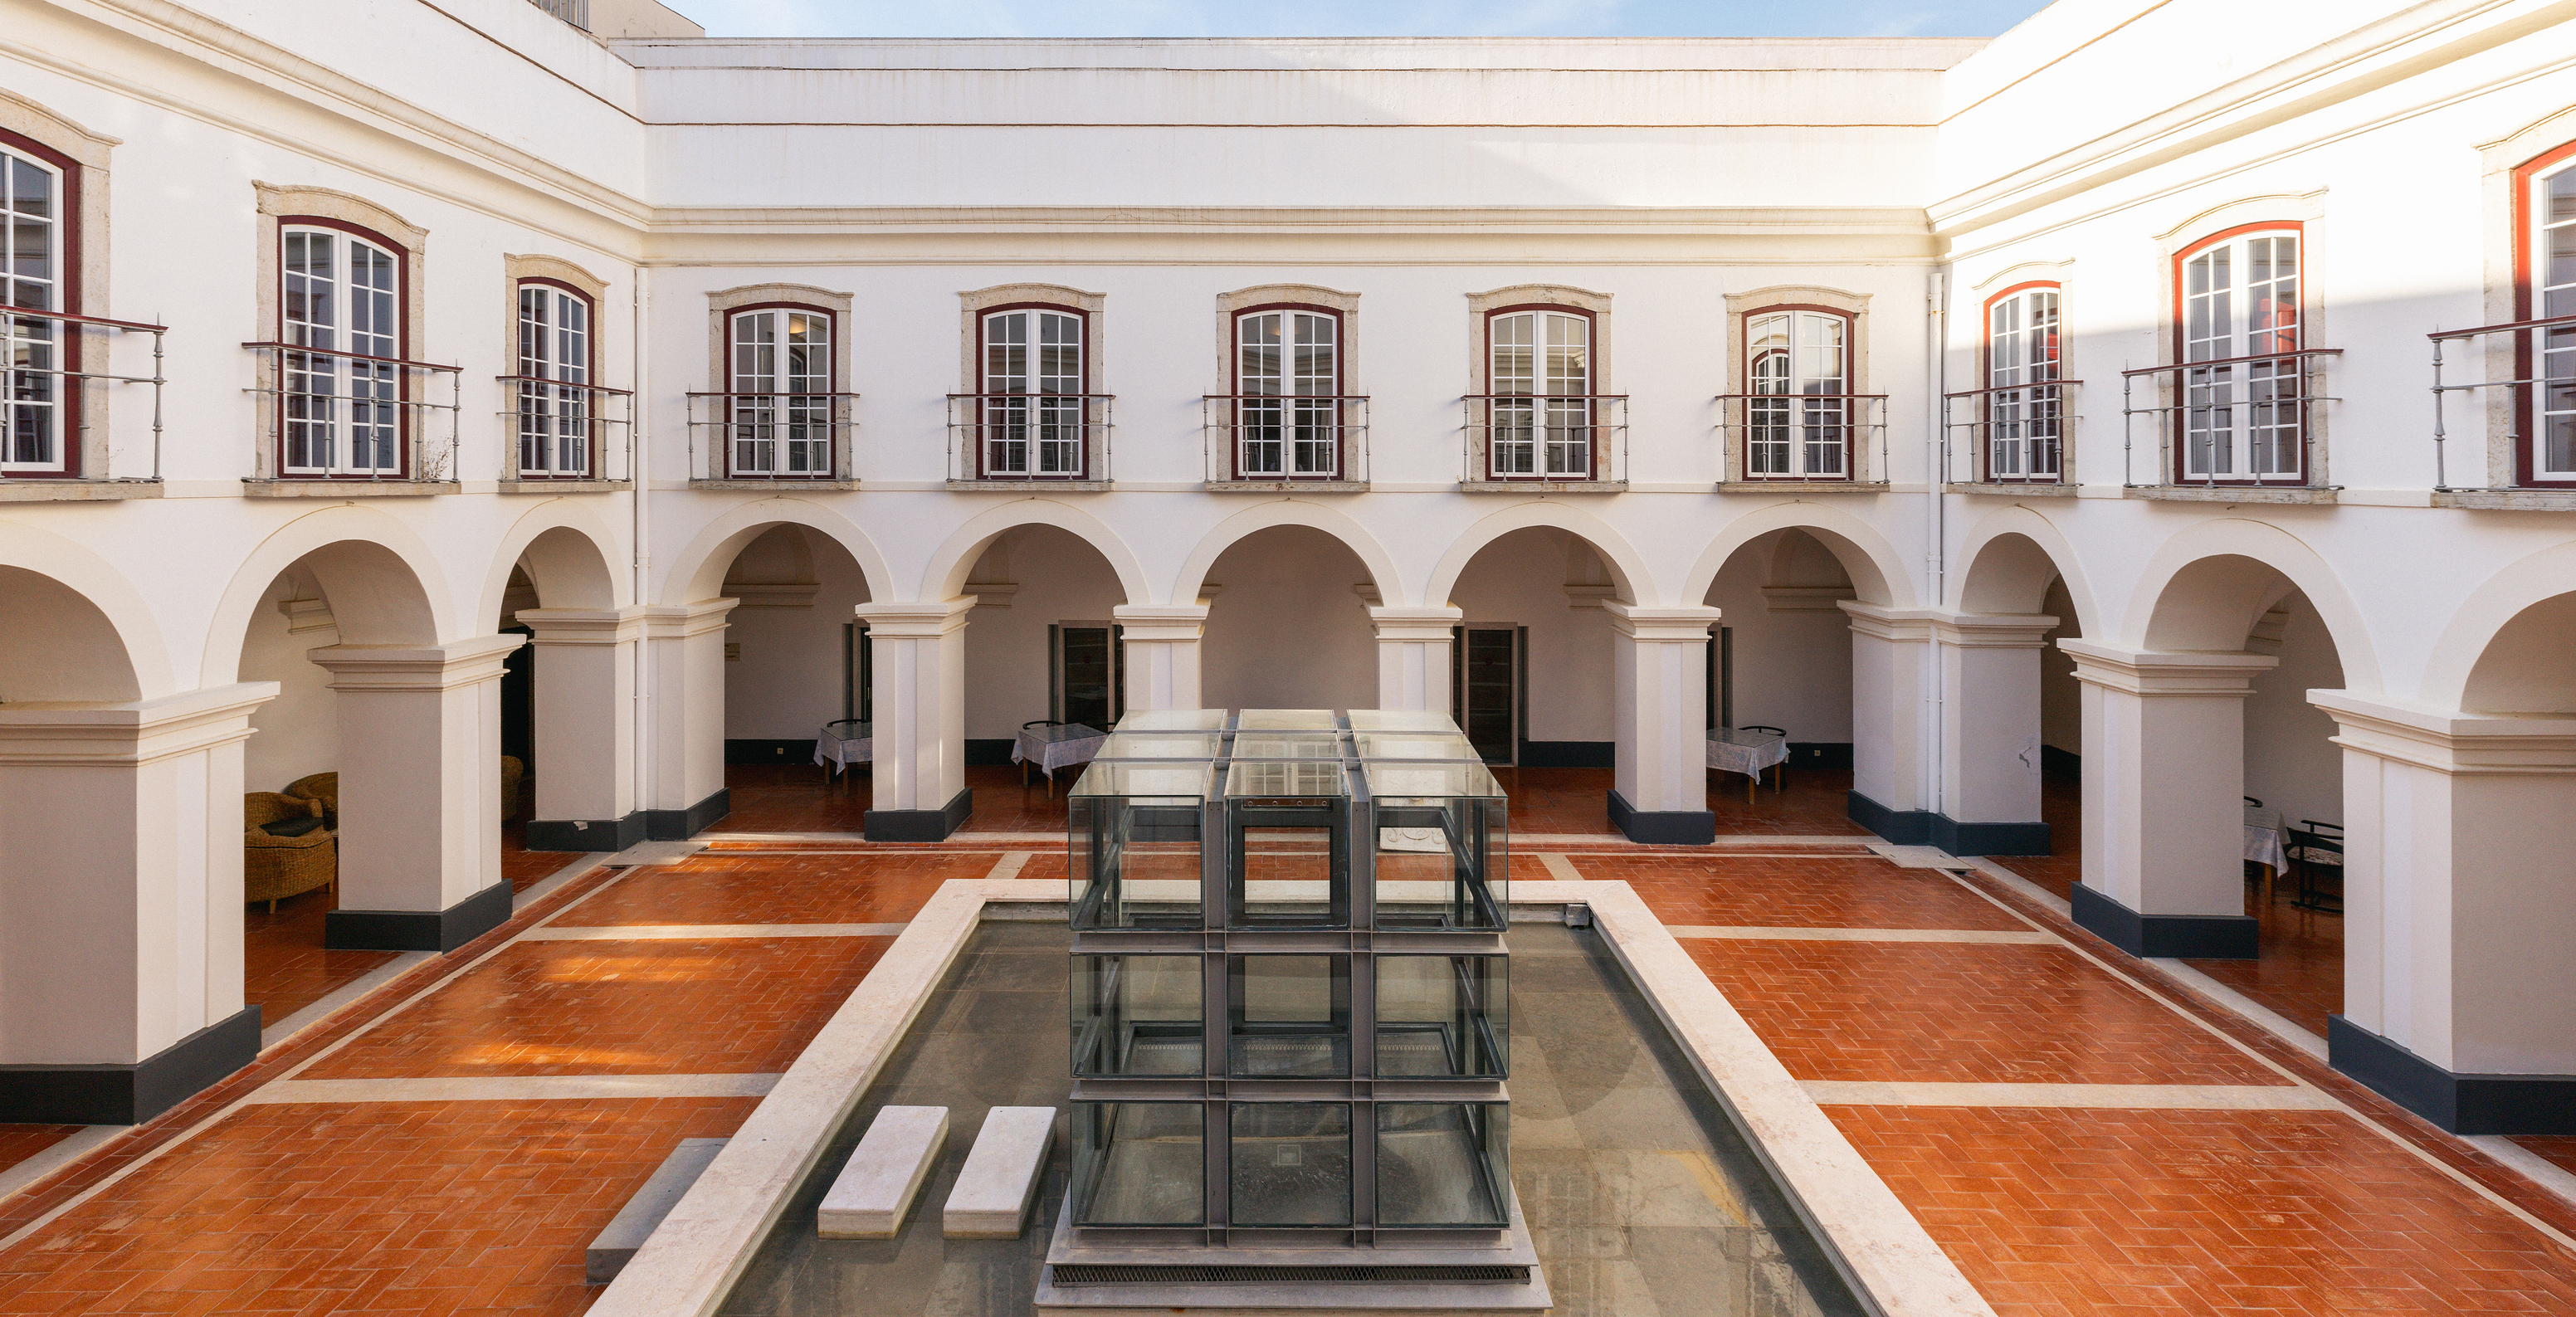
(2263,838)
(844,743)
(1745,752)
(1057,745)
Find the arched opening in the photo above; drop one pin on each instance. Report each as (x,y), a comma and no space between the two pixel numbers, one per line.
(2018,679)
(795,670)
(568,767)
(1533,683)
(1780,666)
(1045,656)
(1288,624)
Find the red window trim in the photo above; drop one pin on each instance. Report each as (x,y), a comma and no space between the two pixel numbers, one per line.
(2525,287)
(1234,383)
(1851,363)
(831,378)
(589,375)
(1986,363)
(402,338)
(983,314)
(1591,382)
(68,281)
(2181,345)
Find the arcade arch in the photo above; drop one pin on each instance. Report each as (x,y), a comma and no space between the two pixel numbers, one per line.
(1288,622)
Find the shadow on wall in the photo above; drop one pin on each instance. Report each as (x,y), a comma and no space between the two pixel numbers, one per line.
(789,645)
(1288,625)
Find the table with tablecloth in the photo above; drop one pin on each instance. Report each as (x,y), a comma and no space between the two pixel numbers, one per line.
(1736,751)
(842,744)
(2263,844)
(1051,746)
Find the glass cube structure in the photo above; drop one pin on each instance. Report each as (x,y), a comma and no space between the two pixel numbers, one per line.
(1291,1013)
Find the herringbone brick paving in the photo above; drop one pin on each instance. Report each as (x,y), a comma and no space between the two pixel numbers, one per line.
(1826,892)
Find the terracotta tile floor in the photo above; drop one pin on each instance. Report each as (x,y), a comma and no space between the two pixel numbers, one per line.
(1805,893)
(2560,1148)
(20,1142)
(2061,806)
(284,968)
(722,887)
(2237,1212)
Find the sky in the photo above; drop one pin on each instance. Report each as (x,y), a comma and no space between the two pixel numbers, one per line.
(1358,18)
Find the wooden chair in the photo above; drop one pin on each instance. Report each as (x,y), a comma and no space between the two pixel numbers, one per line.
(2315,849)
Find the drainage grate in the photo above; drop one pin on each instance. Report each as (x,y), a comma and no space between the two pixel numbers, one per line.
(1143,1274)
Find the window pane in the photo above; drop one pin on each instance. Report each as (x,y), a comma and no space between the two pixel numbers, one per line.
(1292,1163)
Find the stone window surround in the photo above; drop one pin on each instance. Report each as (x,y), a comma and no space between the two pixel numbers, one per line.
(2304,212)
(1241,300)
(278,206)
(1480,315)
(86,264)
(722,303)
(2060,275)
(971,307)
(2499,162)
(520,269)
(1741,307)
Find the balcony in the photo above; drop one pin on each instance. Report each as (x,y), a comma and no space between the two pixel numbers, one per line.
(52,448)
(2230,430)
(2528,417)
(339,424)
(561,437)
(2015,441)
(1820,443)
(771,441)
(1267,443)
(1545,443)
(1020,441)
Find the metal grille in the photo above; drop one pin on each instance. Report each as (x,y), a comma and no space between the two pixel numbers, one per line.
(575,12)
(1146,1274)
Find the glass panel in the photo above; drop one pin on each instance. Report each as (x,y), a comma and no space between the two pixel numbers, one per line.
(1292,1163)
(1301,780)
(1285,720)
(1401,720)
(1172,720)
(1417,745)
(1444,1016)
(1291,867)
(1137,1015)
(1139,1163)
(1443,1163)
(1442,842)
(1135,839)
(1289,1015)
(1287,745)
(1124,744)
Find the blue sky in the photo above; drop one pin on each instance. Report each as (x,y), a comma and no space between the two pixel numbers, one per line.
(1209,18)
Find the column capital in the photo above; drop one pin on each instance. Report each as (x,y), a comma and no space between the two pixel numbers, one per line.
(1415,624)
(678,621)
(1160,623)
(2450,741)
(2149,673)
(916,619)
(134,732)
(584,626)
(1885,623)
(1984,630)
(1660,624)
(415,667)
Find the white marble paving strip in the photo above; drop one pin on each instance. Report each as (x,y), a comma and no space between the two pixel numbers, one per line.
(633,1224)
(2015,937)
(658,852)
(2273,1022)
(2136,1097)
(2539,1170)
(874,1191)
(1009,865)
(347,993)
(1559,868)
(991,1197)
(686,932)
(546,886)
(54,1158)
(513,1088)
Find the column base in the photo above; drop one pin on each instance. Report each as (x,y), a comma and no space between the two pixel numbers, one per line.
(921,824)
(129,1094)
(2460,1104)
(1667,827)
(682,824)
(585,834)
(1989,838)
(2199,937)
(1902,827)
(418,930)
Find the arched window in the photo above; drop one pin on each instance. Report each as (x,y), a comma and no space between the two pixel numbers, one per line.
(1540,378)
(2024,413)
(35,222)
(2238,301)
(2547,424)
(341,301)
(1032,391)
(780,392)
(1288,384)
(1797,369)
(556,423)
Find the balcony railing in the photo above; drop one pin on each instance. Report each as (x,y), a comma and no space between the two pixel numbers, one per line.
(1806,438)
(1269,438)
(2538,401)
(41,447)
(1546,438)
(2016,437)
(575,12)
(561,433)
(1029,438)
(2247,421)
(353,417)
(786,437)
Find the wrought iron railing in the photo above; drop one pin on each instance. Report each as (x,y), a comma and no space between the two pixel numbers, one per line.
(1542,438)
(2539,406)
(2262,407)
(1031,437)
(2017,437)
(31,389)
(353,416)
(1806,438)
(1284,438)
(560,433)
(786,437)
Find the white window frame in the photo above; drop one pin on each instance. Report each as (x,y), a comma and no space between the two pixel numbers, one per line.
(1033,381)
(1798,353)
(32,397)
(1288,384)
(2025,415)
(340,416)
(1545,355)
(2552,351)
(2243,423)
(780,392)
(556,419)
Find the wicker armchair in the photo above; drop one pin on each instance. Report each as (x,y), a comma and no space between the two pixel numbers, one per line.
(273,867)
(323,788)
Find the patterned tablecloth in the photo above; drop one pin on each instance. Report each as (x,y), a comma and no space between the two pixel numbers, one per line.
(844,743)
(2263,838)
(1745,752)
(1057,745)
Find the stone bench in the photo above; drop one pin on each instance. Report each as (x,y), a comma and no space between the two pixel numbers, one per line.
(869,1198)
(1000,1178)
(627,1231)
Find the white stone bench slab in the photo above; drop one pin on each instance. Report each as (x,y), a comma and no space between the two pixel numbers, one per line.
(1000,1178)
(634,1222)
(875,1188)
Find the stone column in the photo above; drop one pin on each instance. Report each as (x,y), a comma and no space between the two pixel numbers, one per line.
(1162,646)
(920,767)
(1659,704)
(1414,661)
(420,794)
(1891,791)
(121,904)
(684,661)
(585,729)
(1990,777)
(2164,810)
(2459,997)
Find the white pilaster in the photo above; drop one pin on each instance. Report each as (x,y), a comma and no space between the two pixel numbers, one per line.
(1162,648)
(585,742)
(685,663)
(1414,661)
(420,771)
(1659,703)
(1989,668)
(1891,679)
(920,727)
